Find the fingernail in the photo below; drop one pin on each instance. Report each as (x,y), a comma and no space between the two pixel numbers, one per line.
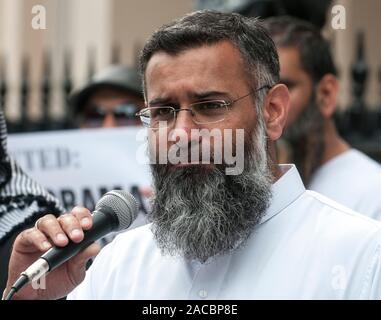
(61,237)
(85,221)
(76,209)
(76,233)
(46,245)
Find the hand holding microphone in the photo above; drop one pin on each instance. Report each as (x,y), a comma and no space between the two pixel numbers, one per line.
(67,243)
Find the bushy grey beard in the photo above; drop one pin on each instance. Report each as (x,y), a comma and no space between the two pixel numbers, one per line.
(305,140)
(199,213)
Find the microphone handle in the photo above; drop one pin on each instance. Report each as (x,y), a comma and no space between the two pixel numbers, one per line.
(102,225)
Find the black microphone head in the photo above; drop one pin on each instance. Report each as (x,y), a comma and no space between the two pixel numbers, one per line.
(123,205)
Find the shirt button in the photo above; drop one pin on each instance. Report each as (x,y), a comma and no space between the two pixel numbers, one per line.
(203,294)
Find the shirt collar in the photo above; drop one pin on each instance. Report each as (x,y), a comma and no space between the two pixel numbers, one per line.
(284,191)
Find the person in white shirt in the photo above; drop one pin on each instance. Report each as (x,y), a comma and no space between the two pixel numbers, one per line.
(227,230)
(304,247)
(357,182)
(327,163)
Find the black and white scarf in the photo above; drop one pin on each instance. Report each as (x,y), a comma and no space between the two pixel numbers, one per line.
(22,200)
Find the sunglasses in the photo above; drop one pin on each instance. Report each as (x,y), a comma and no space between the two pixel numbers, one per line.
(123,114)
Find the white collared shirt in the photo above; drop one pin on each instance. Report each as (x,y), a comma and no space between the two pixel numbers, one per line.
(306,247)
(352,179)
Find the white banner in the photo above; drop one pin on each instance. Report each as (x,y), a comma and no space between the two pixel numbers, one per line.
(79,166)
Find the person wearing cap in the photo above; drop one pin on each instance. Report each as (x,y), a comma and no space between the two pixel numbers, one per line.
(110,99)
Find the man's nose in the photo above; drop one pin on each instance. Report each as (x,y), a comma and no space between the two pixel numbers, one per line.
(184,120)
(109,121)
(183,125)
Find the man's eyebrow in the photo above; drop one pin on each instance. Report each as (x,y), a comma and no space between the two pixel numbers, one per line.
(209,95)
(193,96)
(159,101)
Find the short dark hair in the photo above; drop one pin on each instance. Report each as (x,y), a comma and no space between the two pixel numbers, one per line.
(315,55)
(207,27)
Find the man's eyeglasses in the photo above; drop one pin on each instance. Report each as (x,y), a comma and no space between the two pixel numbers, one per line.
(123,114)
(205,112)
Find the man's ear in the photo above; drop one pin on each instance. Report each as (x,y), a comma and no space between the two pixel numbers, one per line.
(275,110)
(327,91)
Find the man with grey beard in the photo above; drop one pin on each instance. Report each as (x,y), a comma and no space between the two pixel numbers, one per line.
(212,212)
(254,235)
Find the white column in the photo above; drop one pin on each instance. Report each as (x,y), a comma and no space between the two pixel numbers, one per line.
(134,21)
(10,29)
(88,26)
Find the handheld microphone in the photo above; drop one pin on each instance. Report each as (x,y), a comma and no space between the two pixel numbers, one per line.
(115,211)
